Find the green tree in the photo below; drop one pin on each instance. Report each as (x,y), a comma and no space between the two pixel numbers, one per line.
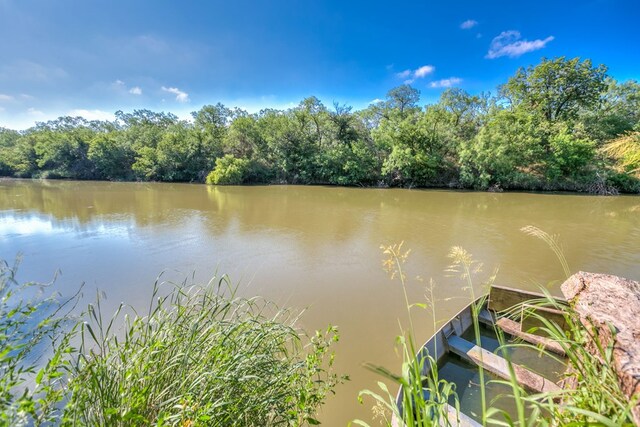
(507,153)
(556,89)
(403,98)
(348,156)
(312,116)
(572,154)
(211,124)
(21,158)
(61,147)
(144,130)
(112,156)
(243,138)
(617,113)
(290,145)
(420,147)
(8,140)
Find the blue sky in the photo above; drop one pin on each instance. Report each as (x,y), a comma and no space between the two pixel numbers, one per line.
(91,58)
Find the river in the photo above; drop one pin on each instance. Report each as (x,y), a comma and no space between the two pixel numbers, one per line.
(313,248)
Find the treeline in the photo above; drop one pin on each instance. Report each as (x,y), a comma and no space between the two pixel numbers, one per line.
(561,125)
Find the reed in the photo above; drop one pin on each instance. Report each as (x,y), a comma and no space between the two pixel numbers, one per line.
(591,394)
(33,350)
(425,397)
(199,356)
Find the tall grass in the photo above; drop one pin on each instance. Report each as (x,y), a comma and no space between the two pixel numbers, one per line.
(466,266)
(590,393)
(200,356)
(626,151)
(425,397)
(33,350)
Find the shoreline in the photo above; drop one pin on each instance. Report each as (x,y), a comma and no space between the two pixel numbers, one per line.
(381,187)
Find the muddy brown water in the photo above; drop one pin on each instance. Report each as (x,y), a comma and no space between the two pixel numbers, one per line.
(313,248)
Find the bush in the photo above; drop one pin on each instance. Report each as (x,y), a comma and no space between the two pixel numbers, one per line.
(229,170)
(570,155)
(624,183)
(506,148)
(200,357)
(30,392)
(404,167)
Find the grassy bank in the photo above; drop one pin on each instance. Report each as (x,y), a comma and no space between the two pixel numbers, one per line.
(198,356)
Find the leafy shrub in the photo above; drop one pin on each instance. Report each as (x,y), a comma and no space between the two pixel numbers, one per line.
(30,392)
(623,182)
(404,167)
(507,147)
(348,164)
(258,172)
(570,155)
(229,170)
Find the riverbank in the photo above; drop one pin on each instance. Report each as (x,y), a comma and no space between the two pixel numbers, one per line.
(528,137)
(496,190)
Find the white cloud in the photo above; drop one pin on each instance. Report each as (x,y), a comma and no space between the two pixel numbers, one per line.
(181,96)
(375,101)
(508,43)
(26,96)
(468,24)
(122,87)
(5,98)
(418,73)
(91,114)
(424,70)
(451,81)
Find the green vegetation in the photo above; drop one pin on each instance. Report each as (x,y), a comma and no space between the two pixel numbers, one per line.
(424,394)
(229,170)
(626,151)
(199,356)
(560,125)
(592,395)
(31,390)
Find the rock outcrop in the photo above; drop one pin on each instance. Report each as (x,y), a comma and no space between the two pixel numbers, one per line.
(606,301)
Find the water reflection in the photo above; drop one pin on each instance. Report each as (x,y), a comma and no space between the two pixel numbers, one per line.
(312,247)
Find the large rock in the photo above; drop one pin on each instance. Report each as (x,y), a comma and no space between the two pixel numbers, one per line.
(602,300)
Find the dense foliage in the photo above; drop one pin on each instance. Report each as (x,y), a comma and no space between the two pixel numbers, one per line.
(550,127)
(31,326)
(199,356)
